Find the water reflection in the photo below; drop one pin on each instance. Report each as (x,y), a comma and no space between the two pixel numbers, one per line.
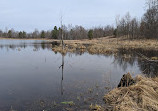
(36,45)
(124,58)
(62,78)
(132,56)
(30,78)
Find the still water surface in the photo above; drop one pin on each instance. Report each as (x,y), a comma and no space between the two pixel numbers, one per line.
(31,78)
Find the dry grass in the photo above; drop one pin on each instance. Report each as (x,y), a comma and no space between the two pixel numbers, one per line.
(101,49)
(108,45)
(143,96)
(69,48)
(104,45)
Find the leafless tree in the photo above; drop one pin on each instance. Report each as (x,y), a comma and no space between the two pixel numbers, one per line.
(149,23)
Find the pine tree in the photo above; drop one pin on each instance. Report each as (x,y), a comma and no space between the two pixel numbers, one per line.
(55,33)
(42,34)
(90,34)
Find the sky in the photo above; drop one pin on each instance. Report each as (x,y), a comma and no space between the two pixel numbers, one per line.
(29,15)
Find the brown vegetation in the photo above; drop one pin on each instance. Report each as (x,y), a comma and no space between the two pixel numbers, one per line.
(106,45)
(143,96)
(126,80)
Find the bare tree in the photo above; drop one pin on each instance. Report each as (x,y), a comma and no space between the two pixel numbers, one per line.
(150,20)
(62,38)
(117,26)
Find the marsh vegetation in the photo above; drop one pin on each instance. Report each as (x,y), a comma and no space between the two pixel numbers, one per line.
(72,68)
(43,79)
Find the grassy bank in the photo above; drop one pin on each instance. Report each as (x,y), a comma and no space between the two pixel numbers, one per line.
(143,96)
(106,45)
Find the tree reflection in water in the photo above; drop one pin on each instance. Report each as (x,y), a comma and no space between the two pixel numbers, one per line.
(62,78)
(124,58)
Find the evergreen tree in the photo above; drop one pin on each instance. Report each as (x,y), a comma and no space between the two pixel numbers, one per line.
(9,33)
(20,34)
(24,34)
(42,34)
(90,34)
(55,33)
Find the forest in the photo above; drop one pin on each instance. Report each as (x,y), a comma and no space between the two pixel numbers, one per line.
(130,27)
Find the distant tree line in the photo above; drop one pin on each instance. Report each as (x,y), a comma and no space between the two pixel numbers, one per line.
(127,26)
(133,28)
(69,33)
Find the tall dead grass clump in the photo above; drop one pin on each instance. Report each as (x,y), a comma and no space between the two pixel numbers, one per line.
(142,96)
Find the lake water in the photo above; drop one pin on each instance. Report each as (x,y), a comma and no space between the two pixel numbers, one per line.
(31,78)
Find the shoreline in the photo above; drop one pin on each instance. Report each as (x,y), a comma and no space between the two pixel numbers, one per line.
(25,38)
(141,96)
(106,45)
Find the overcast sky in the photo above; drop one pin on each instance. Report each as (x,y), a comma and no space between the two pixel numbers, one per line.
(45,14)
